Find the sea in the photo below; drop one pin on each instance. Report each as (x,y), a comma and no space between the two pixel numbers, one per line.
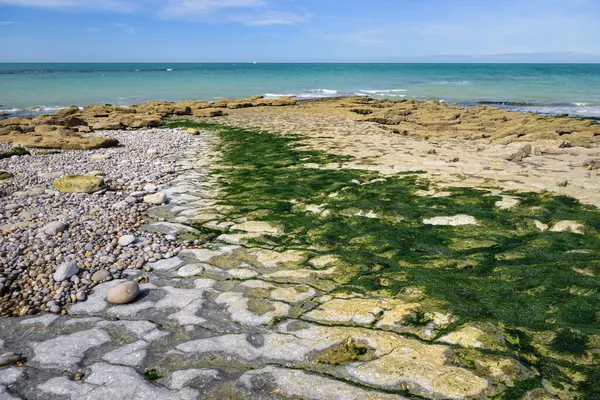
(28,89)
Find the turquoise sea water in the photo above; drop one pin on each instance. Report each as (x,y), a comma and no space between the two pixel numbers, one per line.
(545,88)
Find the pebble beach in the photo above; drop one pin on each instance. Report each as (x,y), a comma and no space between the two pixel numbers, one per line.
(92,238)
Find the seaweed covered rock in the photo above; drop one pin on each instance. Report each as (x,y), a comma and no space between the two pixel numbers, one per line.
(79,184)
(15,151)
(5,175)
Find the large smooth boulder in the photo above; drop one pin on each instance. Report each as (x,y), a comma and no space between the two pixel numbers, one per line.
(157,198)
(79,184)
(123,293)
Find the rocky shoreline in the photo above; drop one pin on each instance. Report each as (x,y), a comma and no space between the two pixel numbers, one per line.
(371,257)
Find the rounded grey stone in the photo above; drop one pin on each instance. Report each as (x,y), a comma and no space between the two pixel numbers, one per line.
(101,275)
(123,293)
(65,271)
(54,228)
(126,240)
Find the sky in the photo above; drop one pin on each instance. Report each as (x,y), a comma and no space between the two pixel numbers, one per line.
(299,30)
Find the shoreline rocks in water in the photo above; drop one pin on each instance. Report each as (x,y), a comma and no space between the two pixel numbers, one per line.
(68,128)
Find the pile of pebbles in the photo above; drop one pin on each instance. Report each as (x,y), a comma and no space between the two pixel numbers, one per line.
(54,247)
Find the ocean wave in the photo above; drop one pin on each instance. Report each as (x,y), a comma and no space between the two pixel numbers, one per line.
(30,111)
(313,96)
(277,95)
(318,94)
(573,109)
(506,103)
(309,94)
(9,110)
(323,91)
(44,108)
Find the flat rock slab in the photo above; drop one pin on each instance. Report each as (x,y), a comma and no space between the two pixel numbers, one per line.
(455,220)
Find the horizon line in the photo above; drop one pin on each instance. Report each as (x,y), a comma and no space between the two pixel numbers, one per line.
(299,62)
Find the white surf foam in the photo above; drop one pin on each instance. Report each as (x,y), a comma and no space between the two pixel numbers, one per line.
(323,91)
(318,94)
(277,95)
(9,110)
(381,91)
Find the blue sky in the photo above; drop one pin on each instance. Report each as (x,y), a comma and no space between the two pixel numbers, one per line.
(299,30)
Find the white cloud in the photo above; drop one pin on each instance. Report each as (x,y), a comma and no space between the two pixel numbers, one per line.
(194,8)
(6,23)
(247,12)
(270,18)
(108,5)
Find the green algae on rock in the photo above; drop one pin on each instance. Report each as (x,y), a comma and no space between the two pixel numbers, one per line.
(5,175)
(15,151)
(79,184)
(496,282)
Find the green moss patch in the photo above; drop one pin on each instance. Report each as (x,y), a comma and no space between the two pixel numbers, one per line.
(15,151)
(152,375)
(5,175)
